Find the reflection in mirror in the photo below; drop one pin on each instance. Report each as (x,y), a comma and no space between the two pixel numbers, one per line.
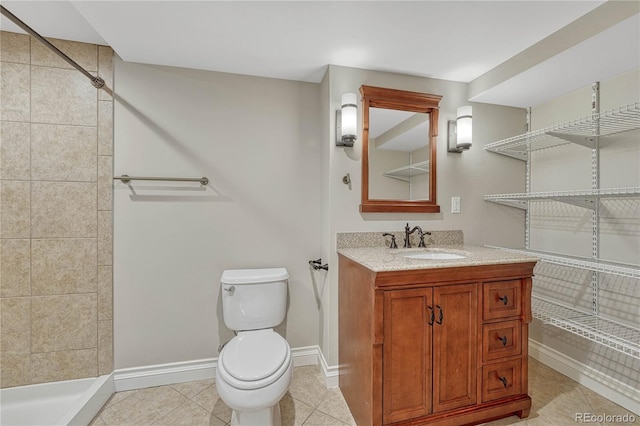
(399,150)
(398,155)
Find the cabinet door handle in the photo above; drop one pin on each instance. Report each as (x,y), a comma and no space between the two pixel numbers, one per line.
(439,321)
(503,339)
(504,299)
(431,315)
(503,380)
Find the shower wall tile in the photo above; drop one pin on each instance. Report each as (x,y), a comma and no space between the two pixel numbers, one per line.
(63,209)
(63,266)
(86,55)
(105,347)
(105,238)
(105,71)
(105,293)
(64,365)
(14,266)
(63,152)
(61,96)
(15,370)
(14,209)
(15,91)
(105,182)
(15,160)
(15,47)
(16,325)
(105,128)
(61,323)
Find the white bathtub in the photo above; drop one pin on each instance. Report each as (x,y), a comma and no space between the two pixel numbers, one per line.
(72,402)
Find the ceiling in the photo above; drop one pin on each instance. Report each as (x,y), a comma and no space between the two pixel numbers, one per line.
(518,53)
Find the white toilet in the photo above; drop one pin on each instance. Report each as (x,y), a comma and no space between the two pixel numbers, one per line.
(255,367)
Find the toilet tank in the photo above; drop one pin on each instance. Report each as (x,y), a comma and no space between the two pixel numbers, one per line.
(254,298)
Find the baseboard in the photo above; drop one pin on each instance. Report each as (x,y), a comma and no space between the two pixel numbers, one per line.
(610,388)
(178,372)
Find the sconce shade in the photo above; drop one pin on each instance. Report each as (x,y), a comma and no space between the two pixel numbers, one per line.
(348,128)
(464,123)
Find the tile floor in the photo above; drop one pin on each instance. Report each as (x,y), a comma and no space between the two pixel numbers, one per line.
(556,399)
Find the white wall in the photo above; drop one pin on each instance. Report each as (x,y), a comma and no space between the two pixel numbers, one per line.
(469,175)
(258,141)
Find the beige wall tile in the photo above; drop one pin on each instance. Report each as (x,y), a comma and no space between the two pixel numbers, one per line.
(105,292)
(64,209)
(105,238)
(105,182)
(105,71)
(63,266)
(14,264)
(66,322)
(14,91)
(85,55)
(105,347)
(14,209)
(64,365)
(16,325)
(61,96)
(105,128)
(15,161)
(15,370)
(63,152)
(14,47)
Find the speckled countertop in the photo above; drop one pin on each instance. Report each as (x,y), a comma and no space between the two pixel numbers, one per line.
(379,259)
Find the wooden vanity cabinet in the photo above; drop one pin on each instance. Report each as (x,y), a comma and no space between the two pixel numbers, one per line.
(444,346)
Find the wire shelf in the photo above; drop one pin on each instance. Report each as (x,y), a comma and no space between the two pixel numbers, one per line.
(596,265)
(582,198)
(585,131)
(609,333)
(407,172)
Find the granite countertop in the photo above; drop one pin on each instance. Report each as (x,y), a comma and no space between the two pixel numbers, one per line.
(379,259)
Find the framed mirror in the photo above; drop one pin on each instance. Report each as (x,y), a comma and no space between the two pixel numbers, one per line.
(399,150)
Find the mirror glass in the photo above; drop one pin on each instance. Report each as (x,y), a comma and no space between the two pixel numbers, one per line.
(399,151)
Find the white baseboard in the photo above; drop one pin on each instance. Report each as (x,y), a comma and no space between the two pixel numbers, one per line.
(178,372)
(610,388)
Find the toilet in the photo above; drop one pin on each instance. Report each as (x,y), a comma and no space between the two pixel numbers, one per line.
(255,367)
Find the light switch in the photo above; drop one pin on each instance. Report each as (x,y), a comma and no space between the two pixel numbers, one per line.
(455,204)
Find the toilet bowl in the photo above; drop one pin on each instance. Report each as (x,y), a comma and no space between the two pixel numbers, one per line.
(254,368)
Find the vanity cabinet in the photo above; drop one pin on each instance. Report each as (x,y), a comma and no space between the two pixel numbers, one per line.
(443,346)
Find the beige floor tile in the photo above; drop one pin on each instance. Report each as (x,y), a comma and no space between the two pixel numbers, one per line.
(320,419)
(210,401)
(308,386)
(294,412)
(97,422)
(334,405)
(189,413)
(191,389)
(143,407)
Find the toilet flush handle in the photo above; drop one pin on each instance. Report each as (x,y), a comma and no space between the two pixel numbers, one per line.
(231,289)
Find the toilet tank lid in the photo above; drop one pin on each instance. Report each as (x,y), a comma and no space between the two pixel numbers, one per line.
(253,276)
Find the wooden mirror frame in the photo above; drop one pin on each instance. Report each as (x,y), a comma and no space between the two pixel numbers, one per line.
(379,97)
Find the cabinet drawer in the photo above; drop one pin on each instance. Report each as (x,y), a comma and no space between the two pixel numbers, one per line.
(501,299)
(501,380)
(501,340)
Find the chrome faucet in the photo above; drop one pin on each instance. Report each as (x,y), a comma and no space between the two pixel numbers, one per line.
(408,232)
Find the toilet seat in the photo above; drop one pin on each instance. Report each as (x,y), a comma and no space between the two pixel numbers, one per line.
(254,359)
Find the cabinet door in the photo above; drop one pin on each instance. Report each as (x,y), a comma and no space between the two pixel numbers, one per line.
(406,389)
(455,346)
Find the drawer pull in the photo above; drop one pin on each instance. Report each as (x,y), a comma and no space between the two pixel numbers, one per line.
(503,339)
(432,315)
(503,380)
(504,299)
(439,320)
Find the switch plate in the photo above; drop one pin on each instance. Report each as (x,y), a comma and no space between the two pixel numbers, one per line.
(455,204)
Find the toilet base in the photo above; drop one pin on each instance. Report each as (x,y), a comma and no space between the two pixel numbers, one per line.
(266,417)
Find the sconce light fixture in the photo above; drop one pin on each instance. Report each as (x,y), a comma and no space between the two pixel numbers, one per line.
(460,130)
(347,120)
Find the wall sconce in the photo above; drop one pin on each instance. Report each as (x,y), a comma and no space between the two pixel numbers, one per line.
(347,121)
(460,130)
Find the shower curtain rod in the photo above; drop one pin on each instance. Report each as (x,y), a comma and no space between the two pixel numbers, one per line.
(96,81)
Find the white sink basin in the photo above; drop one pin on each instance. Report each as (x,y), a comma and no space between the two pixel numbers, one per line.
(434,255)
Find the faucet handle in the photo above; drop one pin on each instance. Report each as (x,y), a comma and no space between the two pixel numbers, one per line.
(422,234)
(393,240)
